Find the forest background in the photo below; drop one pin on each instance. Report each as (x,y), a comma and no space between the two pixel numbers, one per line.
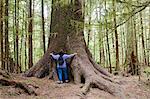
(113,29)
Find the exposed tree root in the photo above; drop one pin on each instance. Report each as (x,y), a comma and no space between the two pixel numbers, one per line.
(20,85)
(93,78)
(102,84)
(7,80)
(41,69)
(5,74)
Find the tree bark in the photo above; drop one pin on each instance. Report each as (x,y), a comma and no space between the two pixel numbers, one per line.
(25,42)
(30,51)
(149,42)
(21,45)
(107,39)
(131,60)
(6,37)
(143,42)
(43,25)
(1,34)
(116,36)
(89,27)
(17,35)
(68,24)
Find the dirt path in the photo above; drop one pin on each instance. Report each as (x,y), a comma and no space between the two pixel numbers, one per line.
(48,89)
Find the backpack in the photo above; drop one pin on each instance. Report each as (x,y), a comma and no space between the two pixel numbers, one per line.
(60,60)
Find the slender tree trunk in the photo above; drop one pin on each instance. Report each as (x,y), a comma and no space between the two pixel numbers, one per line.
(26,38)
(25,44)
(100,50)
(21,45)
(122,46)
(100,36)
(43,25)
(30,50)
(106,55)
(14,37)
(149,42)
(103,48)
(1,34)
(116,36)
(125,49)
(107,38)
(94,47)
(17,34)
(136,41)
(103,55)
(142,35)
(50,28)
(89,25)
(6,36)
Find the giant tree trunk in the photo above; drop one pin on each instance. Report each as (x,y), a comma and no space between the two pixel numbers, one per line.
(67,22)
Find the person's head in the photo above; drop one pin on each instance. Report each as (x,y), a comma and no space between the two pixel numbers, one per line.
(61,53)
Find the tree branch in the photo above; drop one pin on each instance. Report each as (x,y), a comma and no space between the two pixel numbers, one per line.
(133,12)
(141,4)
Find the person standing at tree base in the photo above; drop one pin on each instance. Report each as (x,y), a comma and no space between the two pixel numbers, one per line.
(61,65)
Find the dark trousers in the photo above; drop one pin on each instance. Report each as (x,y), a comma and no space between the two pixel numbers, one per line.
(62,72)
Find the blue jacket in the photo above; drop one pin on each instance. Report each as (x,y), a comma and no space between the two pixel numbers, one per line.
(65,56)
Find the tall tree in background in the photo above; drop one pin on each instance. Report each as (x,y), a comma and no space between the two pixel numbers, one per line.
(25,43)
(149,42)
(1,34)
(16,51)
(135,35)
(43,24)
(131,58)
(89,24)
(100,36)
(107,39)
(30,51)
(50,28)
(6,36)
(21,43)
(116,36)
(68,23)
(142,36)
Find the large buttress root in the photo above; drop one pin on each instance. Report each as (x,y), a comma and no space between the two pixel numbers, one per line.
(86,71)
(41,68)
(94,78)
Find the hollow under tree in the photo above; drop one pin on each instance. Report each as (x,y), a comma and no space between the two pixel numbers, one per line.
(67,22)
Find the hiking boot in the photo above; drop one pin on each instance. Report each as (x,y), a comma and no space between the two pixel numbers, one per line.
(66,81)
(59,82)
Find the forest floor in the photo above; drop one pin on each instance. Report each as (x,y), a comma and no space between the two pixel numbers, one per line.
(48,89)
